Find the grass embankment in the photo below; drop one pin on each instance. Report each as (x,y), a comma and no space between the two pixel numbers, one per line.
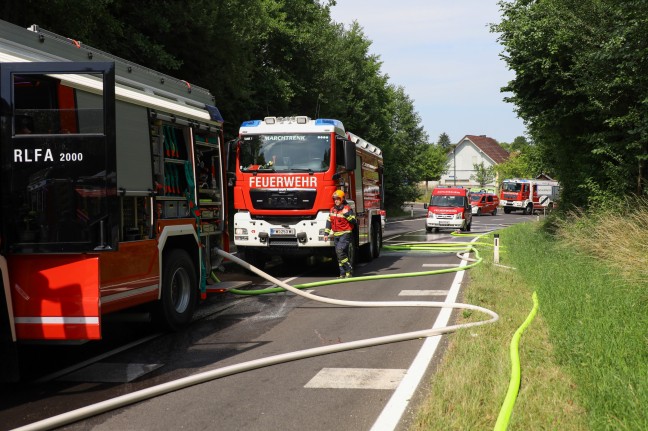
(584,359)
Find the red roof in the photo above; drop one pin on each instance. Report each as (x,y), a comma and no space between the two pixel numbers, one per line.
(489,146)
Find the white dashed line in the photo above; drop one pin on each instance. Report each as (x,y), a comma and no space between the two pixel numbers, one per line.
(423,293)
(357,378)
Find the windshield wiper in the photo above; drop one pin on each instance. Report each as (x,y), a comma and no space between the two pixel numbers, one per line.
(309,170)
(260,169)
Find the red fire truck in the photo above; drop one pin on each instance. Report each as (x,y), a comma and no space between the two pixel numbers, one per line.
(112,191)
(287,169)
(528,195)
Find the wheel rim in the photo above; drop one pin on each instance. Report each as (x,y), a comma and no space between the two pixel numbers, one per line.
(180,290)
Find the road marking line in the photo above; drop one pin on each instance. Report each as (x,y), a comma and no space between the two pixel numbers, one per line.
(390,416)
(439,265)
(357,378)
(423,293)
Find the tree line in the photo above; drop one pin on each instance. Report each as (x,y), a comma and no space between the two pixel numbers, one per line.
(259,58)
(581,86)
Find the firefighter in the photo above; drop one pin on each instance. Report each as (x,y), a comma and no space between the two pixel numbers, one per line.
(340,224)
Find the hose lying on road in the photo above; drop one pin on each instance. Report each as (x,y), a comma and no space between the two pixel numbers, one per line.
(133,397)
(460,249)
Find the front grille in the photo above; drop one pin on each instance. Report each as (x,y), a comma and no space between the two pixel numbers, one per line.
(283,199)
(283,242)
(445,216)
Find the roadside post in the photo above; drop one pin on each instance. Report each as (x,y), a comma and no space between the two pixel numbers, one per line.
(496,248)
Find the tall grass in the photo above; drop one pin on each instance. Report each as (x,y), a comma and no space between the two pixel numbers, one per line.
(597,324)
(585,356)
(617,236)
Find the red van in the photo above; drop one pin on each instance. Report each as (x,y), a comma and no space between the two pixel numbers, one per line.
(449,208)
(484,203)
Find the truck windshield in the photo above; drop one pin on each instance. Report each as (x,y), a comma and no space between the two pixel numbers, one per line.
(511,187)
(298,152)
(447,201)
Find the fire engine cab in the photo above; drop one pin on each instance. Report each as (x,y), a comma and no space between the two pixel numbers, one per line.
(287,169)
(449,208)
(528,195)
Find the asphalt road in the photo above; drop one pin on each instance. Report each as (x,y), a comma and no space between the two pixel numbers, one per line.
(346,391)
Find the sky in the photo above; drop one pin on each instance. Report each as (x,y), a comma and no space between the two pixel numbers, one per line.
(445,57)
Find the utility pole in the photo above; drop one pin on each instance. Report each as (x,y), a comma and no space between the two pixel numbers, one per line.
(454,163)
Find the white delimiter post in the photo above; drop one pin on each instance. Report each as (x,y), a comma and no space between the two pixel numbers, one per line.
(496,248)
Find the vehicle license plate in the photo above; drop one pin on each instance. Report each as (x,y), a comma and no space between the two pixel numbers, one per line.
(282,231)
(443,223)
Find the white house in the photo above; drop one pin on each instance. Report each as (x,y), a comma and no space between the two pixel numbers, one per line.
(471,150)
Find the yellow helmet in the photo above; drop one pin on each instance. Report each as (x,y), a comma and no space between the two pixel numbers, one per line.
(338,194)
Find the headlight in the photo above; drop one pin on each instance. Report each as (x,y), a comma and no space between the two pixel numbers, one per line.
(240,231)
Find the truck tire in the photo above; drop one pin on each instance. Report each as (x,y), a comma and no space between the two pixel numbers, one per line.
(179,291)
(495,212)
(371,250)
(376,240)
(507,210)
(529,209)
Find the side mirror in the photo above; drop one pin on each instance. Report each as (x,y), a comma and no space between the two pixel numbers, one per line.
(231,179)
(349,156)
(425,205)
(230,154)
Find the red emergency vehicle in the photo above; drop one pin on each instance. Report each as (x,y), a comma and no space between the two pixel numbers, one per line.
(287,169)
(484,203)
(112,191)
(528,195)
(449,208)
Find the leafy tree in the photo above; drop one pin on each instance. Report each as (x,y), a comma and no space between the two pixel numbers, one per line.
(405,150)
(433,163)
(516,166)
(444,141)
(259,58)
(483,175)
(519,144)
(580,86)
(526,160)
